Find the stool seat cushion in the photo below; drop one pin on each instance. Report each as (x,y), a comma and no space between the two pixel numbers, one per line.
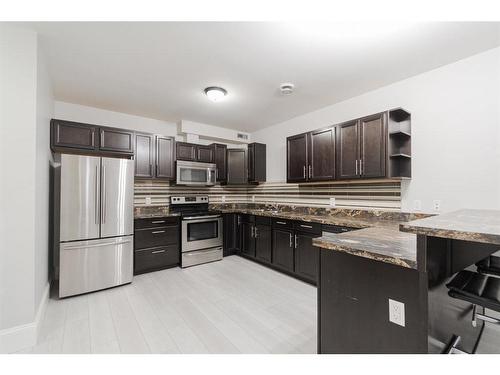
(489,265)
(476,288)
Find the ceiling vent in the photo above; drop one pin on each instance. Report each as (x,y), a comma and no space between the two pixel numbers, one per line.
(242,136)
(287,88)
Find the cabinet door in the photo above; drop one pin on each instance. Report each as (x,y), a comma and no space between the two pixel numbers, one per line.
(165,161)
(373,146)
(204,154)
(220,160)
(237,166)
(116,140)
(67,134)
(144,155)
(296,150)
(185,151)
(306,257)
(256,162)
(231,233)
(263,242)
(247,239)
(283,249)
(322,155)
(348,150)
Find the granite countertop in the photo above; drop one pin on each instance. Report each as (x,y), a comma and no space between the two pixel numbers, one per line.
(468,225)
(381,244)
(340,220)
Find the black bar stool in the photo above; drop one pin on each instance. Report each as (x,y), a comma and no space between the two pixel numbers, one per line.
(478,289)
(489,265)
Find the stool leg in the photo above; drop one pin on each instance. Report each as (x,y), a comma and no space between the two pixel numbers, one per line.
(474,320)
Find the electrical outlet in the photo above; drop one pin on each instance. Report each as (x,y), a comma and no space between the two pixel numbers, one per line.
(253,198)
(417,205)
(223,198)
(332,202)
(397,312)
(148,200)
(436,204)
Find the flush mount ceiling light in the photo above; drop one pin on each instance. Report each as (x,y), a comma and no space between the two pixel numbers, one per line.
(215,94)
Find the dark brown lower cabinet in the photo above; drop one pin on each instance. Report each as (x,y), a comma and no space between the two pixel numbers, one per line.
(147,260)
(283,249)
(231,234)
(306,257)
(156,244)
(247,239)
(263,243)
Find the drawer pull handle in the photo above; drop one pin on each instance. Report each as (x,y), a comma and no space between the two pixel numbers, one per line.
(158,231)
(158,222)
(306,226)
(157,251)
(281,222)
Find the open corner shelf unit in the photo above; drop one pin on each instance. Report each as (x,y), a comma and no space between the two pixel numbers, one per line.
(399,144)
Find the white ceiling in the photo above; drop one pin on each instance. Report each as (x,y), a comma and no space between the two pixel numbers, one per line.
(159,70)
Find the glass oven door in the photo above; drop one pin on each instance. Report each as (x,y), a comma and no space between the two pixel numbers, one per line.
(201,232)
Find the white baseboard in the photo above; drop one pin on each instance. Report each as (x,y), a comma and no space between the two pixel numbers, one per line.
(23,336)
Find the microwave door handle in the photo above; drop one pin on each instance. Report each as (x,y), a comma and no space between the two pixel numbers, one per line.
(209,177)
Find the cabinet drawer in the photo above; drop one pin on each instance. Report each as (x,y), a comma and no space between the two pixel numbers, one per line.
(155,237)
(154,222)
(244,218)
(156,258)
(303,226)
(262,220)
(283,223)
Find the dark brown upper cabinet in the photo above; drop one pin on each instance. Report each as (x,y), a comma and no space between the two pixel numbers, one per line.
(116,140)
(311,156)
(237,166)
(73,135)
(193,152)
(373,141)
(297,158)
(220,160)
(154,156)
(256,162)
(375,146)
(321,155)
(144,155)
(348,150)
(185,151)
(165,157)
(362,148)
(204,154)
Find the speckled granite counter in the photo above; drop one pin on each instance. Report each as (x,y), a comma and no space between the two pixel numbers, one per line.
(341,217)
(469,225)
(382,244)
(153,212)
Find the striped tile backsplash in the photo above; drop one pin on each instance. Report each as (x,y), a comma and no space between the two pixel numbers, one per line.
(371,194)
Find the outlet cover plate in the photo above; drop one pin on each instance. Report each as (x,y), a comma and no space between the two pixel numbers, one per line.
(397,312)
(332,202)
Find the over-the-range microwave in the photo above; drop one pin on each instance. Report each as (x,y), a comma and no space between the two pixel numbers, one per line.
(194,173)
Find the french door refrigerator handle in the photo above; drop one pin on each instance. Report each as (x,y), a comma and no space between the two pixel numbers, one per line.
(103,195)
(96,203)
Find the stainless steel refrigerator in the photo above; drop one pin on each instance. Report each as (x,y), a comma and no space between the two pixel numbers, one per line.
(93,222)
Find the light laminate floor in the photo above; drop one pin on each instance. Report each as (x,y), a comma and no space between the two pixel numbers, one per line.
(231,306)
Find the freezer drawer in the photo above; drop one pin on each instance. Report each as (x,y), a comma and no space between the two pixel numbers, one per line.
(86,266)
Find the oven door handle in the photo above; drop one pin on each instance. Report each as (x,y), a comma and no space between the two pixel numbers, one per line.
(201,218)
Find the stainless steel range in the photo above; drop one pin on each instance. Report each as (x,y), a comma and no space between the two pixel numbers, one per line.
(201,230)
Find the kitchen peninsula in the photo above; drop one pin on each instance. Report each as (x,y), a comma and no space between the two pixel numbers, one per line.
(411,267)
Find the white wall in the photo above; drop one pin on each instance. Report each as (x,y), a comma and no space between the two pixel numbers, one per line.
(17,170)
(98,116)
(91,115)
(26,103)
(455,132)
(44,112)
